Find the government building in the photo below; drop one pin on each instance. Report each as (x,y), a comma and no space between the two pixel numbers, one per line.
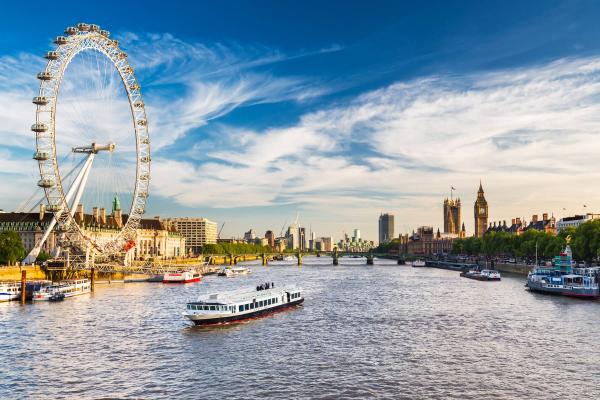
(155,238)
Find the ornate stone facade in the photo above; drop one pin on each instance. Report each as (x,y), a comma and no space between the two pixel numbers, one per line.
(481,213)
(452,216)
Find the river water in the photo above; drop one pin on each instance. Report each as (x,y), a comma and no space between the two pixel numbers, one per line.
(382,331)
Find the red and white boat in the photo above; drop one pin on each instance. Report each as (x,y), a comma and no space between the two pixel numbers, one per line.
(182,277)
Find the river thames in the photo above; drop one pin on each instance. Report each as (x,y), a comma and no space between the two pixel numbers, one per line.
(382,331)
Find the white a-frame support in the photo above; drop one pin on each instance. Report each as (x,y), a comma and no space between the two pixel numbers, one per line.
(79,185)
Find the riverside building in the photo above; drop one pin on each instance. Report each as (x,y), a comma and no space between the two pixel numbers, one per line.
(575,221)
(197,232)
(155,238)
(452,216)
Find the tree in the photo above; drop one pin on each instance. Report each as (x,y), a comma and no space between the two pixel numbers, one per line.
(235,248)
(585,241)
(11,247)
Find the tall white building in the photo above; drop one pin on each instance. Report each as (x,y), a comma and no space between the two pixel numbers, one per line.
(293,237)
(356,236)
(197,231)
(575,221)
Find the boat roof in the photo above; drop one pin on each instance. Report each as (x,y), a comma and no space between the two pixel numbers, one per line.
(238,296)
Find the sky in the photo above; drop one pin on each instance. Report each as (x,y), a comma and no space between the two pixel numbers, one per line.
(333,112)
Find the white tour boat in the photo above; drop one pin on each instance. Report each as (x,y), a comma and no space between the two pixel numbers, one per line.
(70,288)
(231,272)
(418,263)
(227,307)
(10,291)
(182,277)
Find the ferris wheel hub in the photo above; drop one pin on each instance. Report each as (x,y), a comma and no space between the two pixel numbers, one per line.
(94,148)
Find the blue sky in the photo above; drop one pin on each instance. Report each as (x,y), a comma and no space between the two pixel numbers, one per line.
(339,110)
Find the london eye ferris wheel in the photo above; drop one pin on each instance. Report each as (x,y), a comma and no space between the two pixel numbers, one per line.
(92,141)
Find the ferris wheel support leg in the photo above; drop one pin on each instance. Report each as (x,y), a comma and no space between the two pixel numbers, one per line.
(31,257)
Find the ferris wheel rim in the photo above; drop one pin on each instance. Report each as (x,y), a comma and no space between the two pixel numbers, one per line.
(82,38)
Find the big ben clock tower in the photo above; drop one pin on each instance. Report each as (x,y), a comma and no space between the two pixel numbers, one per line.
(481,213)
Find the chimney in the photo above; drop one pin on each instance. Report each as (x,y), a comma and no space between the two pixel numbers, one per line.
(79,213)
(494,224)
(545,216)
(504,223)
(103,216)
(513,221)
(518,221)
(534,218)
(42,211)
(95,215)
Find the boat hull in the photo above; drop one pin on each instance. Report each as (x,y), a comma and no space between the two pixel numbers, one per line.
(586,293)
(46,297)
(183,277)
(479,277)
(9,296)
(239,318)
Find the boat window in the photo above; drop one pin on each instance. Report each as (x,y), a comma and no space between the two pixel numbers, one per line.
(212,308)
(252,306)
(241,308)
(260,303)
(247,307)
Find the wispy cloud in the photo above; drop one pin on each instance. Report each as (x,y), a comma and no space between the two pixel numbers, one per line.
(185,85)
(525,131)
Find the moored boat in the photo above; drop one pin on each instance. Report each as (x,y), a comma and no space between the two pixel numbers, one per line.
(10,290)
(418,263)
(182,277)
(231,272)
(482,275)
(228,307)
(69,288)
(564,279)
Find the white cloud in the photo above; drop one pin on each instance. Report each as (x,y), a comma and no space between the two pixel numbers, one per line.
(531,134)
(184,85)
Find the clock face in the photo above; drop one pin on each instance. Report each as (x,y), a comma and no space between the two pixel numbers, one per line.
(481,210)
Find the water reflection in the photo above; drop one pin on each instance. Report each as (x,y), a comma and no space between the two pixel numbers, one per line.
(378,331)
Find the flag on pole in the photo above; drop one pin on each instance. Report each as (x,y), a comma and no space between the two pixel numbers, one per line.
(584,206)
(452,187)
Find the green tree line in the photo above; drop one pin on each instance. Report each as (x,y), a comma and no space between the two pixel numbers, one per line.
(11,248)
(235,248)
(386,247)
(584,240)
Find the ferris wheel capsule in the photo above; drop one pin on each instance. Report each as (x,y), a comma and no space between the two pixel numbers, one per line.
(104,33)
(51,55)
(46,183)
(71,30)
(40,100)
(39,127)
(54,208)
(83,27)
(60,40)
(44,76)
(40,156)
(94,28)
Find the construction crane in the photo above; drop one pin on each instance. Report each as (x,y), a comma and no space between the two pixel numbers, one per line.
(219,234)
(282,228)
